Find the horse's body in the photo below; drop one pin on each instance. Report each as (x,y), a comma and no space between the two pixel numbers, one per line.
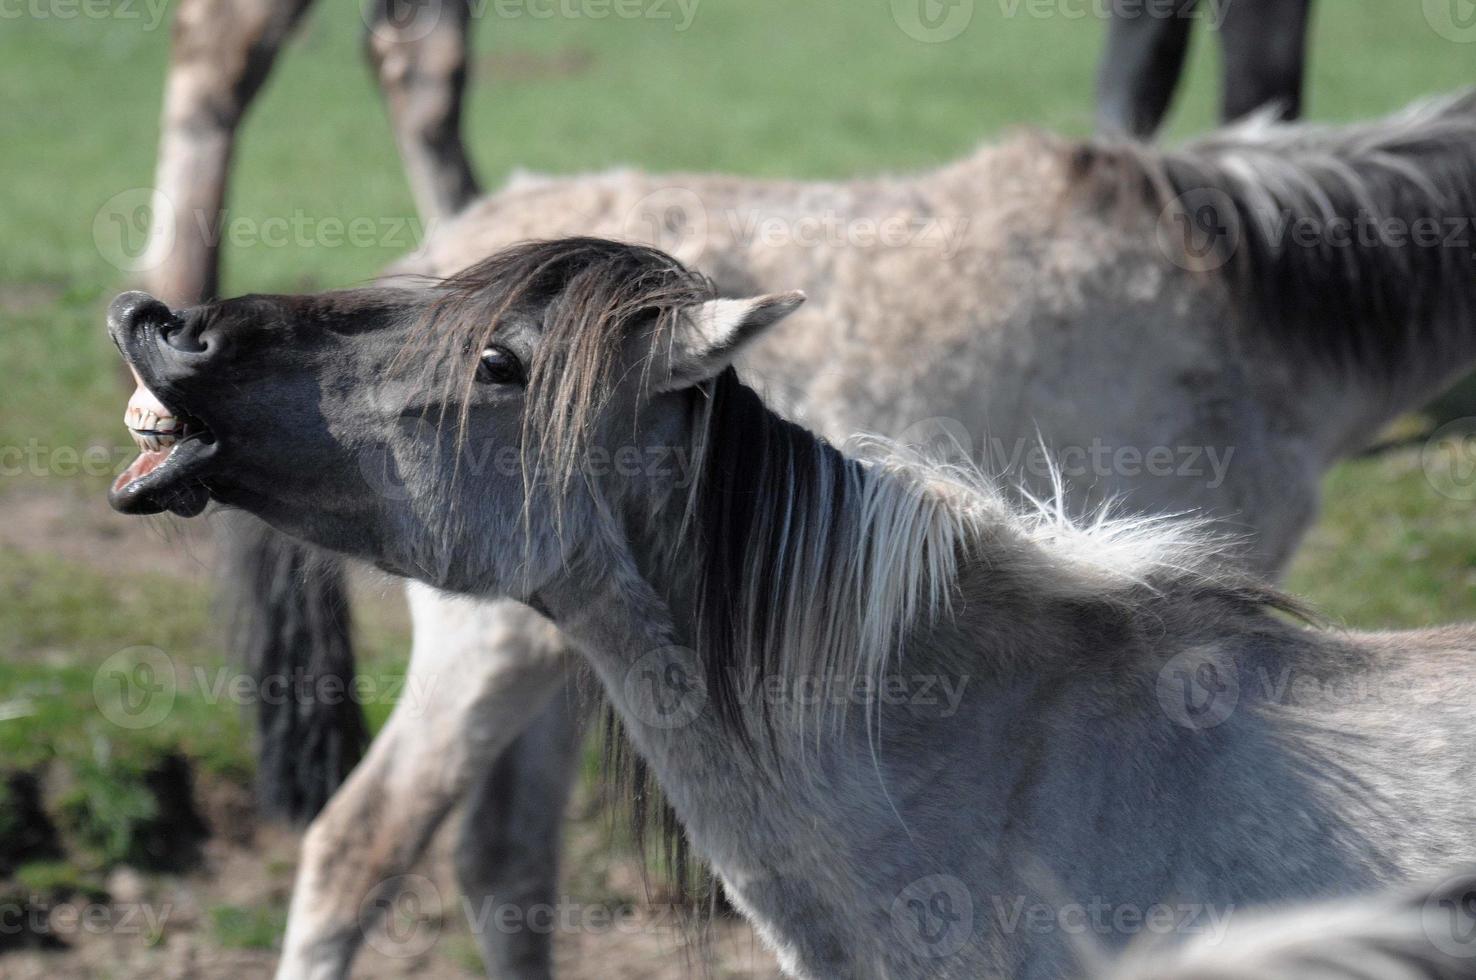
(1034,314)
(1126,723)
(222,53)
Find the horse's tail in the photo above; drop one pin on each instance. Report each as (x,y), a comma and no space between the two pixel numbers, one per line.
(287,610)
(1354,243)
(1425,934)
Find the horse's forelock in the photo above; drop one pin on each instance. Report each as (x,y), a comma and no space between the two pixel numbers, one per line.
(590,296)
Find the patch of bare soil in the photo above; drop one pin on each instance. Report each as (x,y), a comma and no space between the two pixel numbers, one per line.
(28,297)
(168,927)
(71,520)
(532,66)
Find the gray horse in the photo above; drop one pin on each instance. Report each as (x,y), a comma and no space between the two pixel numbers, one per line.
(1124,720)
(1060,317)
(1426,933)
(1254,379)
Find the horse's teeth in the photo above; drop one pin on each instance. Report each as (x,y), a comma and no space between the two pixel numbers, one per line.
(149,422)
(152,442)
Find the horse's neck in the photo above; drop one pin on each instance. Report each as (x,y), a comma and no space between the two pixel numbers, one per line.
(795,828)
(1343,402)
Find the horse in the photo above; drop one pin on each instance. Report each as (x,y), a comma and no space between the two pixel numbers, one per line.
(1263,45)
(1061,315)
(223,52)
(1129,718)
(290,603)
(1423,933)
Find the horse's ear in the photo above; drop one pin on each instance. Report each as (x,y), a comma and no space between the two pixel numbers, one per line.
(710,335)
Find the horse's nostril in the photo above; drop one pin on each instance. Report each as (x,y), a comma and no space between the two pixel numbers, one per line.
(181,339)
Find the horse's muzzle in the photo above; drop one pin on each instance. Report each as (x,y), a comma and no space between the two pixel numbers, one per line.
(175,447)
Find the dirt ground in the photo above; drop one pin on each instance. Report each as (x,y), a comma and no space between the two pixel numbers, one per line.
(437,943)
(168,927)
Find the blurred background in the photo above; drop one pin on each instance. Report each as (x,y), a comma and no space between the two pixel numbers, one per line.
(146,824)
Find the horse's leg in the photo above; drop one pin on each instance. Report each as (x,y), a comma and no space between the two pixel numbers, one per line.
(1141,66)
(508,854)
(1265,45)
(419,52)
(222,52)
(481,668)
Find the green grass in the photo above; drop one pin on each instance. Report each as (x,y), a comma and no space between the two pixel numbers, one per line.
(1389,550)
(64,633)
(820,88)
(769,87)
(239,927)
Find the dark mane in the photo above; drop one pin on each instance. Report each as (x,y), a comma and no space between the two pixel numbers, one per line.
(1267,205)
(770,498)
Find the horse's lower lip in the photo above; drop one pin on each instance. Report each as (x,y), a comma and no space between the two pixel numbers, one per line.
(166,479)
(175,449)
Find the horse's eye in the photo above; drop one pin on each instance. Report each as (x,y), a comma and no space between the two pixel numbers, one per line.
(499,366)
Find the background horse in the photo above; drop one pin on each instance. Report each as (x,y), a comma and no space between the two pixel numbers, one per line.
(1263,47)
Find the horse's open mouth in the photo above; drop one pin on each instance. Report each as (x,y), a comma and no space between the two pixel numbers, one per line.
(174,448)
